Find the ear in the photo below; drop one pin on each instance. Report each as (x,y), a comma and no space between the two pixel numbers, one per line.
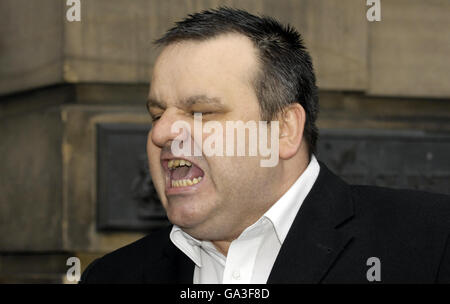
(292,122)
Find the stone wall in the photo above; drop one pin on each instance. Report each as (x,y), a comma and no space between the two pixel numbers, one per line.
(405,54)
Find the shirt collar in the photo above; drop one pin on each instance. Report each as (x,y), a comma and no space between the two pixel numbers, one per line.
(186,243)
(284,211)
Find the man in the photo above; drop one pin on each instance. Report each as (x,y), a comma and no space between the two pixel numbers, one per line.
(235,221)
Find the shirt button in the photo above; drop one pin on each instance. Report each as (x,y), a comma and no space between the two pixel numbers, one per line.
(236,275)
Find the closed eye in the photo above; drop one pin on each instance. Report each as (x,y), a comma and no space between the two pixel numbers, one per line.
(155,118)
(203,113)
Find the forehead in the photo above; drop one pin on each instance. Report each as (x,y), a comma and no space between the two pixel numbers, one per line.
(221,66)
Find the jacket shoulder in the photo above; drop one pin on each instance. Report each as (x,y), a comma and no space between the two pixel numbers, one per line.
(126,264)
(417,208)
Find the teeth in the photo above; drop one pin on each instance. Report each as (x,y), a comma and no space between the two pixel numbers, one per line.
(175,163)
(186,182)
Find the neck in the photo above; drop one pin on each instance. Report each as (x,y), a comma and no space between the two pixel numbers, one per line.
(222,246)
(287,179)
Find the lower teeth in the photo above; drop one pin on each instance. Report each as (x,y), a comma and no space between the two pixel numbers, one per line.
(186,182)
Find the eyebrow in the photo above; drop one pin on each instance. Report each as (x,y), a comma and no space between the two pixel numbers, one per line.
(155,103)
(203,99)
(196,99)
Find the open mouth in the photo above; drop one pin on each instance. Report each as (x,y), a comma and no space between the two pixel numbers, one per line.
(183,173)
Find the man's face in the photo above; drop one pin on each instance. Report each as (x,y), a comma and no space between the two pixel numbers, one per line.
(212,77)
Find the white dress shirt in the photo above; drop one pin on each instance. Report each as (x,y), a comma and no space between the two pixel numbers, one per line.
(251,256)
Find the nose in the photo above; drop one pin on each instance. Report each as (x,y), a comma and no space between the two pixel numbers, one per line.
(161,132)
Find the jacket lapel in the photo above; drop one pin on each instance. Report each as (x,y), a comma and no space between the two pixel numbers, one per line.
(185,268)
(316,237)
(172,266)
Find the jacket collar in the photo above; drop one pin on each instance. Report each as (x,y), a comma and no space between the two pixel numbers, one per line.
(169,265)
(316,237)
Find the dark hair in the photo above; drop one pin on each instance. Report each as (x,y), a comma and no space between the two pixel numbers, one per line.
(286,75)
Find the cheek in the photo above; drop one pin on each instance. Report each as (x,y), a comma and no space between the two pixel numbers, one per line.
(232,174)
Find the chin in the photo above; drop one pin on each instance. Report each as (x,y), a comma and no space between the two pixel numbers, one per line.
(184,217)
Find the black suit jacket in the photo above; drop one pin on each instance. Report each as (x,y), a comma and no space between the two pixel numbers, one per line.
(337,229)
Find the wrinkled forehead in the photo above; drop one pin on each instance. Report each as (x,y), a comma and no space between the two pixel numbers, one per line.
(192,67)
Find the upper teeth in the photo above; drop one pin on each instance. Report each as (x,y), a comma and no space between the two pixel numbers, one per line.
(175,163)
